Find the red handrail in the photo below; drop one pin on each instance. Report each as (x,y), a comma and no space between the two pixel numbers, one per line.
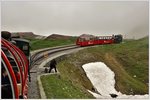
(21,55)
(11,72)
(19,64)
(25,62)
(23,59)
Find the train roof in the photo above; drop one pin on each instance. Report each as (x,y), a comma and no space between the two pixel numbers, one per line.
(20,39)
(86,36)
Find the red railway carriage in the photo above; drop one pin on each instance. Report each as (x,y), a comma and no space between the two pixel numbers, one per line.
(87,40)
(14,67)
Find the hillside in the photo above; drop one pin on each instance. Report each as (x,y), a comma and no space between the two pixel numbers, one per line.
(45,43)
(57,36)
(128,60)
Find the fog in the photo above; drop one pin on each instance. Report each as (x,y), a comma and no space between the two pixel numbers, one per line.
(130,18)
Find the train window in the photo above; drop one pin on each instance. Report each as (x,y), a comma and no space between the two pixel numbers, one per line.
(100,38)
(82,39)
(96,38)
(86,39)
(91,38)
(25,47)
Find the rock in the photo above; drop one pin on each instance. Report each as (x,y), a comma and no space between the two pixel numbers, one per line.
(113,95)
(134,76)
(46,70)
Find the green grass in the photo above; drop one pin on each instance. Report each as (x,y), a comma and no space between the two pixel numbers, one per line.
(39,44)
(58,88)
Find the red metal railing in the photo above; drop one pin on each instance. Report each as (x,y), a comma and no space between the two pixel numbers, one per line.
(11,73)
(21,60)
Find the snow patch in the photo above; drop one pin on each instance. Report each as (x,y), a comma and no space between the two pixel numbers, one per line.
(101,77)
(103,80)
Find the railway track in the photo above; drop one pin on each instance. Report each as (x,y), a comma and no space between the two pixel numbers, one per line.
(37,57)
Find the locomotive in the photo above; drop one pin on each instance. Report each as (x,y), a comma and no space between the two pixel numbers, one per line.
(14,66)
(87,40)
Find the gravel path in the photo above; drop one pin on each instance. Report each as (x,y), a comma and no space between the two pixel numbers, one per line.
(33,90)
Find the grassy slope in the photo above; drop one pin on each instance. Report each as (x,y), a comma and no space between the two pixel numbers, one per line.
(39,44)
(58,88)
(126,60)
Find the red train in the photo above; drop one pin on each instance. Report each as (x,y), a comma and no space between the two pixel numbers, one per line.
(14,67)
(87,40)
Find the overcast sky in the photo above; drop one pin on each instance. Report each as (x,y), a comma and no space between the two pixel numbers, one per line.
(76,18)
